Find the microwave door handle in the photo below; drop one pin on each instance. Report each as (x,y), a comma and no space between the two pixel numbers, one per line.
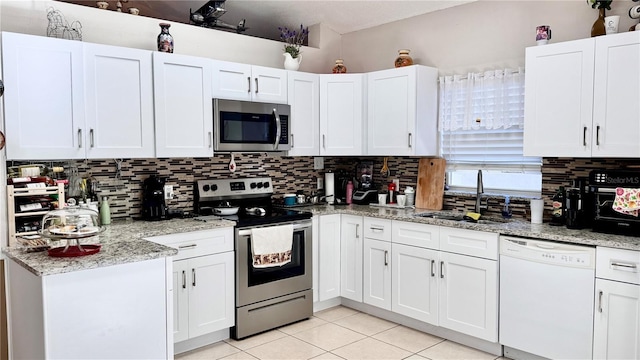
(278,129)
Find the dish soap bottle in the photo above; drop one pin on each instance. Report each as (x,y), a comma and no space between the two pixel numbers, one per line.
(105,211)
(506,211)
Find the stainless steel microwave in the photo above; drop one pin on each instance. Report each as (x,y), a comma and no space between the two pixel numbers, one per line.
(249,126)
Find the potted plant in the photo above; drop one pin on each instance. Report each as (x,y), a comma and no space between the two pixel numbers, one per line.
(293,40)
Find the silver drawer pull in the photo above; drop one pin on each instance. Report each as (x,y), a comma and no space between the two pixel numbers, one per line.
(190,246)
(193,274)
(386,258)
(433,270)
(600,301)
(184,279)
(625,265)
(376,228)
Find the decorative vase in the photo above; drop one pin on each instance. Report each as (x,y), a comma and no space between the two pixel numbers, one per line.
(339,67)
(598,27)
(403,58)
(291,63)
(165,40)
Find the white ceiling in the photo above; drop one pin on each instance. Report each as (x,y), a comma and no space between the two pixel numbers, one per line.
(265,16)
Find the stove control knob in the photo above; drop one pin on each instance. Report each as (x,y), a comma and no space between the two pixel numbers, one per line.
(266,184)
(214,187)
(253,185)
(259,185)
(205,188)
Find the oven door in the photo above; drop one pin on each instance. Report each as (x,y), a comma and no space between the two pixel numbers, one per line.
(258,284)
(249,126)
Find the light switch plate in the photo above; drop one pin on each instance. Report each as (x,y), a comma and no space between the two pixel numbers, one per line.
(168,192)
(318,163)
(320,183)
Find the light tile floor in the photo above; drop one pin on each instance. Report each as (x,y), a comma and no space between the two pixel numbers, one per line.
(340,333)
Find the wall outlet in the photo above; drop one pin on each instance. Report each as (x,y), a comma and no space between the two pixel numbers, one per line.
(318,163)
(168,192)
(397,182)
(320,183)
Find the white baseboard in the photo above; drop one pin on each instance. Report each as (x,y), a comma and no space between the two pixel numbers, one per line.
(201,341)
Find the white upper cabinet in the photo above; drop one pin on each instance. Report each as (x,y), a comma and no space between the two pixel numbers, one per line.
(303,92)
(183,105)
(119,102)
(402,111)
(44,98)
(341,114)
(235,81)
(581,98)
(616,96)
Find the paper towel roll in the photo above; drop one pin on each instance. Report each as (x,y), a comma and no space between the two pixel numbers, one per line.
(329,187)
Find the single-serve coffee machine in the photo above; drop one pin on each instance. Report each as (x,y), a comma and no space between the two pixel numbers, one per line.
(153,205)
(366,192)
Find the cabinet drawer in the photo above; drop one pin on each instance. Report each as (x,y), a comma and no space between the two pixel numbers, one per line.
(618,264)
(420,235)
(469,242)
(197,243)
(379,229)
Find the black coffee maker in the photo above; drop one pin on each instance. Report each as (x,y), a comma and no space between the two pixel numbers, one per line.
(577,205)
(153,205)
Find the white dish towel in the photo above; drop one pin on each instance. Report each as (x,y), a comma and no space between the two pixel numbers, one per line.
(271,245)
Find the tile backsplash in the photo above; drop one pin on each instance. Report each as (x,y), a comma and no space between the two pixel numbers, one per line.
(124,187)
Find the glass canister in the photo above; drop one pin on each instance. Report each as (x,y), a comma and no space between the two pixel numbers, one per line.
(403,58)
(339,67)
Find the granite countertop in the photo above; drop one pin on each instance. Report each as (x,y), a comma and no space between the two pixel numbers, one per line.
(122,242)
(508,227)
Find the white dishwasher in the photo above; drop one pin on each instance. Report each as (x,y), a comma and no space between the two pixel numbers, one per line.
(546,299)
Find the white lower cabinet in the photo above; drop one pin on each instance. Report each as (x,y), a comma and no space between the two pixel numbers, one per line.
(203,282)
(351,247)
(616,325)
(328,257)
(414,282)
(377,273)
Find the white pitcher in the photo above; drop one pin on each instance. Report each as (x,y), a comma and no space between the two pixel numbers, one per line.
(291,63)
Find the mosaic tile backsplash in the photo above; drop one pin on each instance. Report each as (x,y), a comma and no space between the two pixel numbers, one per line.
(124,187)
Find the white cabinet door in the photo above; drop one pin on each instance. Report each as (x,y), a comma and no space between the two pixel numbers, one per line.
(402,111)
(119,102)
(183,105)
(415,282)
(617,320)
(211,298)
(44,97)
(270,84)
(329,257)
(559,99)
(377,273)
(469,295)
(303,93)
(341,114)
(235,81)
(180,301)
(351,242)
(616,105)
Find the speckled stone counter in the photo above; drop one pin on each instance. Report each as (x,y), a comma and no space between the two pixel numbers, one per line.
(510,227)
(122,242)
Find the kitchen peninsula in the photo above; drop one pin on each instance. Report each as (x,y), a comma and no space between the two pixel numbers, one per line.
(113,304)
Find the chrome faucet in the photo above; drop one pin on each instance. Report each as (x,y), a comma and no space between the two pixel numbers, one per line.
(479,192)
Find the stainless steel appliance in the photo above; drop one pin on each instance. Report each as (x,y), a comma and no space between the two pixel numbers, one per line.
(602,186)
(266,297)
(249,126)
(546,299)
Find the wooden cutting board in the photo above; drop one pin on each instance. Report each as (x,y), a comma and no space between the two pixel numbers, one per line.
(430,187)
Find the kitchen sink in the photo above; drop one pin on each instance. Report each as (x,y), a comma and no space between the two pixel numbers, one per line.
(461,218)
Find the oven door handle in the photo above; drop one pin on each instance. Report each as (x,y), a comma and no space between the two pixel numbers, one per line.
(276,118)
(296,226)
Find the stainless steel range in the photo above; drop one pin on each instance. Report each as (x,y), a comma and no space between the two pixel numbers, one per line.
(272,288)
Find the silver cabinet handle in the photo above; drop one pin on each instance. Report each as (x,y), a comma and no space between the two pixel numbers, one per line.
(324,145)
(441,269)
(433,268)
(584,136)
(256,85)
(248,84)
(410,140)
(210,139)
(184,279)
(276,118)
(187,246)
(374,229)
(625,265)
(598,135)
(193,274)
(79,138)
(386,259)
(600,301)
(357,227)
(91,137)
